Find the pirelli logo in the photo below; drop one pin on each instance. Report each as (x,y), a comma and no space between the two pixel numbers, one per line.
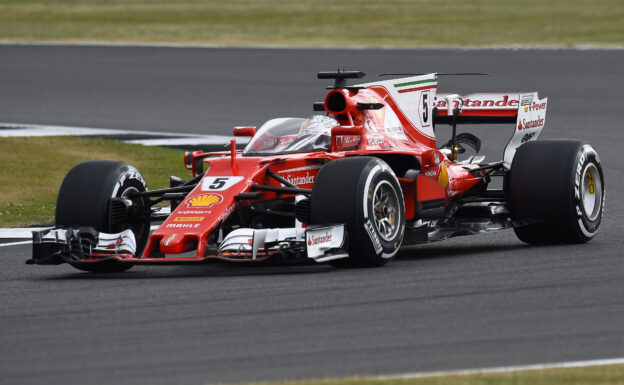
(188,219)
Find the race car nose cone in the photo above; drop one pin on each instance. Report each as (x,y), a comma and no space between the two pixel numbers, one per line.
(174,244)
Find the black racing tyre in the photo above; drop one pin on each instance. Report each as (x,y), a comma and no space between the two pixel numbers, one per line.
(365,195)
(557,187)
(83,200)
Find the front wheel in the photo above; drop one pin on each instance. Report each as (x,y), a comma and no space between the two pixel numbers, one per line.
(557,188)
(365,195)
(84,198)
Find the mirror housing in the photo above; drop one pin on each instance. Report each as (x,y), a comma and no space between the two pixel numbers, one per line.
(249,131)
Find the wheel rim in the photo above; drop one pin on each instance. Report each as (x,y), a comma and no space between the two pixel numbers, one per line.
(591,192)
(137,228)
(386,210)
(129,190)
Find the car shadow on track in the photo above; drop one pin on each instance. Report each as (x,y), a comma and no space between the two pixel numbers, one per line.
(220,269)
(209,270)
(437,251)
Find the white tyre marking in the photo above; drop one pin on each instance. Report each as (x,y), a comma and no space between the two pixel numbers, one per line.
(373,236)
(366,187)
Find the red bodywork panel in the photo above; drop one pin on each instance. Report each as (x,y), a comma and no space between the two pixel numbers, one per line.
(204,209)
(361,132)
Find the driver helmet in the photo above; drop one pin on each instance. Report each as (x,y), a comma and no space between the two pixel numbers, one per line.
(317,124)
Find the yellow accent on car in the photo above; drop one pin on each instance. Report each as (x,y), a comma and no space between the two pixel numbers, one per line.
(204,200)
(443,176)
(373,99)
(590,182)
(188,219)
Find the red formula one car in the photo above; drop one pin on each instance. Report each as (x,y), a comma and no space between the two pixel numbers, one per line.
(349,186)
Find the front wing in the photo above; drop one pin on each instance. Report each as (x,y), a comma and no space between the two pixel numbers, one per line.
(85,245)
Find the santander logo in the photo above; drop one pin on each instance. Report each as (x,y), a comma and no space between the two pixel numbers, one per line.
(318,240)
(532,123)
(299,180)
(483,102)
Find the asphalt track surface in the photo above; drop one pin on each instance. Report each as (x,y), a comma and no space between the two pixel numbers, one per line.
(464,303)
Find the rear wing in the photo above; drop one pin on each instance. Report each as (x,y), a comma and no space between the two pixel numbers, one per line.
(525,110)
(476,108)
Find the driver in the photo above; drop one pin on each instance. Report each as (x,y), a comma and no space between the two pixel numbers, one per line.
(314,133)
(317,124)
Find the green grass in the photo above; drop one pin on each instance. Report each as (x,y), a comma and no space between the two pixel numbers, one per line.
(32,169)
(594,375)
(317,22)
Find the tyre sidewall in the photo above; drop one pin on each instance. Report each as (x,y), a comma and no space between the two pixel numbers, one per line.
(341,195)
(545,190)
(585,227)
(375,247)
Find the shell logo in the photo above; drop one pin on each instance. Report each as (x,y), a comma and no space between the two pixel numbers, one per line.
(204,200)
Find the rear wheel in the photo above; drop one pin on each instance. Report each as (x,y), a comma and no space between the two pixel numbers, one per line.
(84,197)
(557,187)
(365,195)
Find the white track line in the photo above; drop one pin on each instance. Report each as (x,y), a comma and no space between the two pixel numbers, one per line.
(8,129)
(556,365)
(26,233)
(173,139)
(15,243)
(18,233)
(208,139)
(19,130)
(582,47)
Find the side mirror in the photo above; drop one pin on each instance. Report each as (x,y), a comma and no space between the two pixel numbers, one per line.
(245,131)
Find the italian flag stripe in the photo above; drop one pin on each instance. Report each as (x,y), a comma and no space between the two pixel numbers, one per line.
(399,85)
(404,90)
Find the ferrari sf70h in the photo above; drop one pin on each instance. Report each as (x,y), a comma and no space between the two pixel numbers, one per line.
(349,186)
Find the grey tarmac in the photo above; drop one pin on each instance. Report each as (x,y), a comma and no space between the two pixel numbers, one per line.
(469,302)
